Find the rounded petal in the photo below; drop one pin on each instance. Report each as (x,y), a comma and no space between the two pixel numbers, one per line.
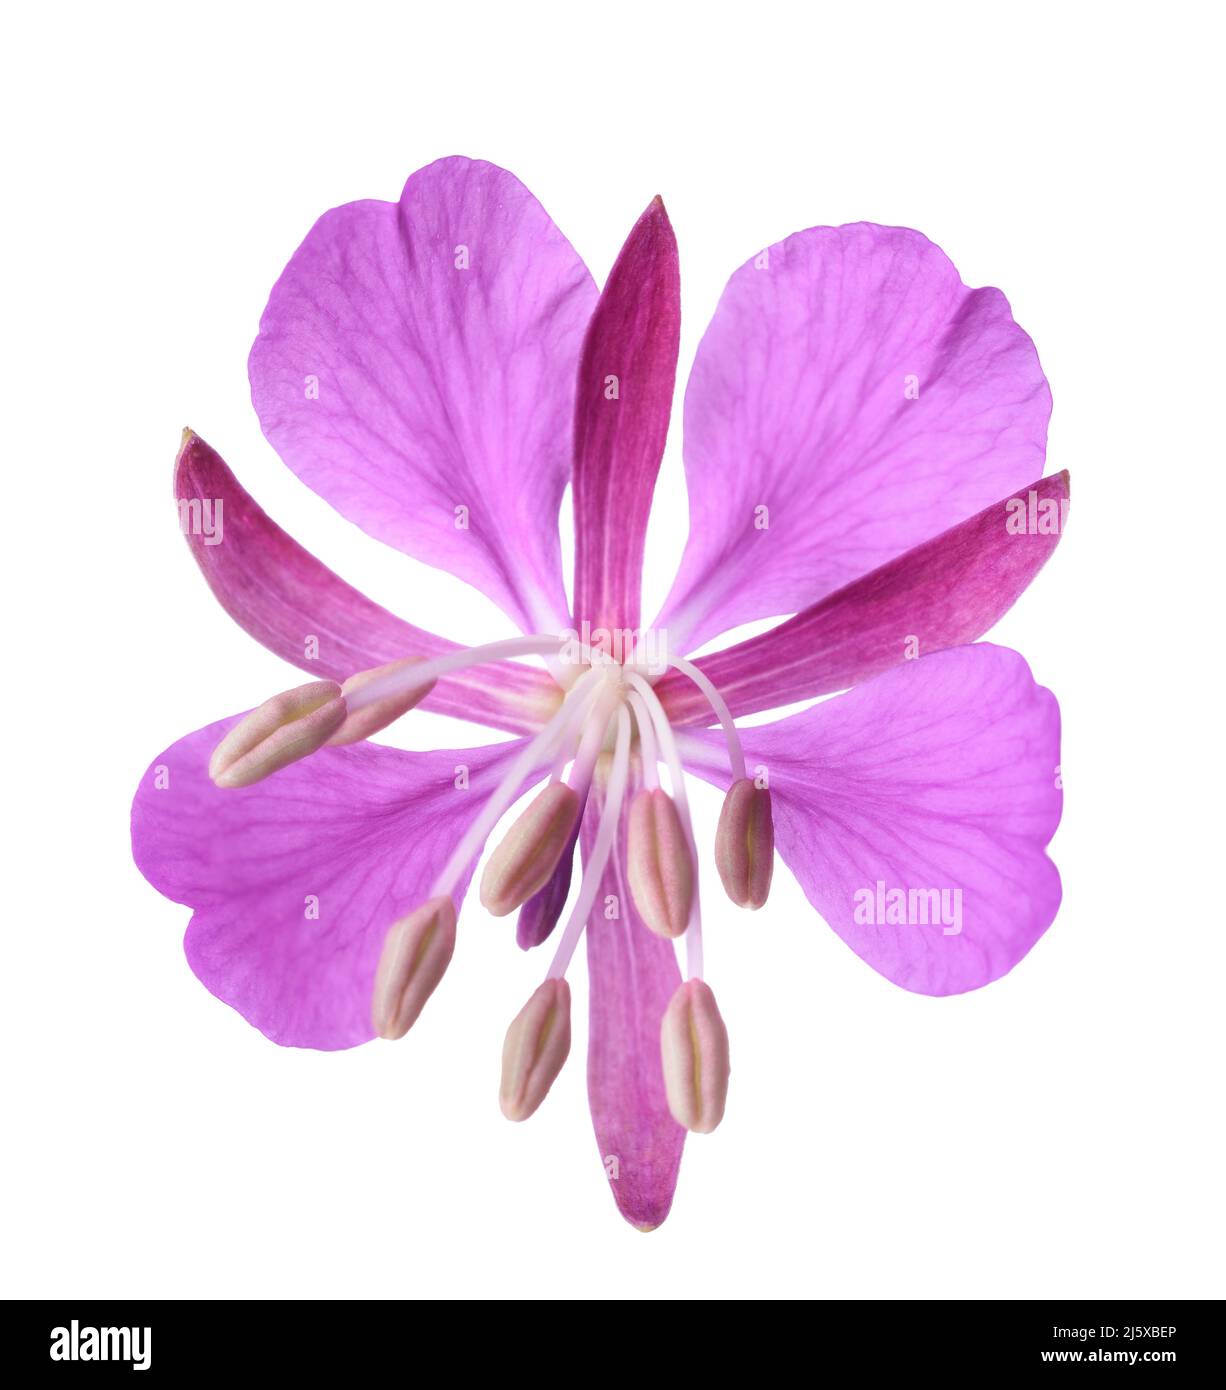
(851,398)
(915,810)
(416,367)
(295,881)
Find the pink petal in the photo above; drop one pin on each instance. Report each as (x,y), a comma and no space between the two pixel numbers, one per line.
(632,976)
(941,774)
(798,402)
(624,398)
(944,593)
(283,597)
(442,337)
(354,834)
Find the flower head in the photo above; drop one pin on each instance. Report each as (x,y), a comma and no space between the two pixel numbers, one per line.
(864,447)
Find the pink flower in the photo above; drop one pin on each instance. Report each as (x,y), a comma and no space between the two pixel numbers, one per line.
(864,447)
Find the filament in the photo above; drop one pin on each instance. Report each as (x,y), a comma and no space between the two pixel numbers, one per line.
(615,791)
(736,754)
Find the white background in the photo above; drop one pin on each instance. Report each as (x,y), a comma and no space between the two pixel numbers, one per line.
(1057,1134)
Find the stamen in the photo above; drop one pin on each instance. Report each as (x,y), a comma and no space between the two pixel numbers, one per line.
(284,729)
(694,1053)
(525,859)
(668,745)
(539,751)
(416,953)
(615,791)
(659,863)
(393,682)
(745,844)
(539,915)
(736,754)
(592,742)
(365,720)
(537,1044)
(587,692)
(648,755)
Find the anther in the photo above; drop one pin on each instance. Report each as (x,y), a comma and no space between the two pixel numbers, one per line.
(694,1052)
(284,729)
(536,1046)
(368,719)
(745,843)
(659,864)
(416,954)
(523,862)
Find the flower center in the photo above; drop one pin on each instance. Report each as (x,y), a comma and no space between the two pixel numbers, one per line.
(603,747)
(610,711)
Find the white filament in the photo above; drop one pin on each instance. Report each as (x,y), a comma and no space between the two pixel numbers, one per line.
(615,791)
(736,754)
(537,753)
(648,754)
(592,742)
(420,672)
(584,695)
(577,731)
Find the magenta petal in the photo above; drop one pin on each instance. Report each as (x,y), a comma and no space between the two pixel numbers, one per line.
(416,366)
(942,775)
(622,405)
(855,389)
(944,593)
(295,881)
(286,599)
(632,975)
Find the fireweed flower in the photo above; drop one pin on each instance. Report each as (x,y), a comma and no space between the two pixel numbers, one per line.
(864,449)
